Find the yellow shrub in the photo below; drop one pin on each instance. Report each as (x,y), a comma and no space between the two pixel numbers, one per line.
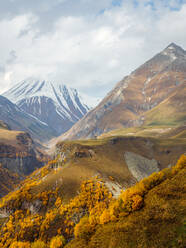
(17,244)
(38,244)
(58,202)
(57,242)
(83,229)
(137,202)
(180,164)
(105,217)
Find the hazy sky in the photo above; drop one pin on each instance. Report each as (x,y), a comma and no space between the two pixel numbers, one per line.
(86,44)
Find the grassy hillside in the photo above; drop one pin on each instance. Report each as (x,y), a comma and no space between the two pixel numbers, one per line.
(76,161)
(162,131)
(160,222)
(170,112)
(150,214)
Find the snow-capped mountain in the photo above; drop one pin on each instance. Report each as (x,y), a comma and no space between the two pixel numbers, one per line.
(53,103)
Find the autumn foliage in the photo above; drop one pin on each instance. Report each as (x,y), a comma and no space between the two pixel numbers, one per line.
(57,221)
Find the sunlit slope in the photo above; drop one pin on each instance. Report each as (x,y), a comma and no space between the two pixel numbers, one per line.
(149,214)
(150,131)
(170,112)
(119,161)
(153,94)
(159,222)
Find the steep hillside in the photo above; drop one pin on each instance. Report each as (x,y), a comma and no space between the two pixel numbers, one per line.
(18,153)
(19,156)
(171,111)
(53,103)
(125,159)
(149,214)
(19,120)
(155,90)
(119,161)
(158,221)
(8,181)
(3,125)
(150,131)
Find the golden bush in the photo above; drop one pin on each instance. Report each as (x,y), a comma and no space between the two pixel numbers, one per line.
(38,244)
(18,244)
(57,242)
(83,229)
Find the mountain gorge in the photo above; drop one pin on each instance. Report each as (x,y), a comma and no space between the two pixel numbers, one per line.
(155,89)
(55,104)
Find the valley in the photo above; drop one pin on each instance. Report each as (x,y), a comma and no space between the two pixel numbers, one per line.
(112,176)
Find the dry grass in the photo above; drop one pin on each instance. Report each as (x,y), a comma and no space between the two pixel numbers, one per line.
(108,160)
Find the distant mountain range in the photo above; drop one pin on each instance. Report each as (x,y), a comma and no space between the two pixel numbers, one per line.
(55,104)
(152,95)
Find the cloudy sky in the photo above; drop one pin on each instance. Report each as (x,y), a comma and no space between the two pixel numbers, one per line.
(86,44)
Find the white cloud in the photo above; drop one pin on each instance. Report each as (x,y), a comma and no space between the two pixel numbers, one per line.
(92,53)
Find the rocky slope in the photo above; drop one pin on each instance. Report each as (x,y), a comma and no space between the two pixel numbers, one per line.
(8,181)
(19,120)
(19,156)
(156,85)
(18,153)
(55,104)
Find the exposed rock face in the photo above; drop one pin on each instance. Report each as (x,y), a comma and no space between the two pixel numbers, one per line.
(8,180)
(140,166)
(34,207)
(55,104)
(21,165)
(18,153)
(126,105)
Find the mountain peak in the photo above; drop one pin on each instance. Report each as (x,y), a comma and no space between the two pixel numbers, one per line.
(174,48)
(51,102)
(174,51)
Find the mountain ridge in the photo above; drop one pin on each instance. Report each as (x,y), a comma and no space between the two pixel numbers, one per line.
(127,104)
(53,103)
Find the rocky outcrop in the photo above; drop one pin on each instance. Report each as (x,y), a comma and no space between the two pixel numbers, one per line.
(8,180)
(139,166)
(18,153)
